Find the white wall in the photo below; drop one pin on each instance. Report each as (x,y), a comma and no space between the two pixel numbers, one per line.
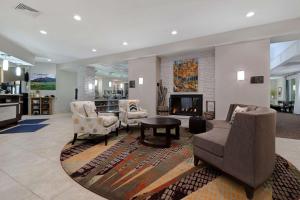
(65,90)
(206,73)
(252,57)
(65,85)
(147,93)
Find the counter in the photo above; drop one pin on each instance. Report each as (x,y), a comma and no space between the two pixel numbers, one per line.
(10,109)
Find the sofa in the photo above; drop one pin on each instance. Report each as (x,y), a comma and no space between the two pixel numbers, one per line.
(87,121)
(244,148)
(131,112)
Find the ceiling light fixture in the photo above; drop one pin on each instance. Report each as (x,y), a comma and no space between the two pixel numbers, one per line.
(5,65)
(49,60)
(250,14)
(43,32)
(77,17)
(125,43)
(94,50)
(174,32)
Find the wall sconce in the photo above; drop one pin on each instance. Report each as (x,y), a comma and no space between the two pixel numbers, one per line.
(141,81)
(294,87)
(5,65)
(18,71)
(122,85)
(90,86)
(241,75)
(109,84)
(96,82)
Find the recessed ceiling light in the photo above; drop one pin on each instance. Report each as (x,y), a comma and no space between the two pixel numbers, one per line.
(94,50)
(174,32)
(49,60)
(250,14)
(43,32)
(125,43)
(77,17)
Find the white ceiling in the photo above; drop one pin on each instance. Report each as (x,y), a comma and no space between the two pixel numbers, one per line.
(142,23)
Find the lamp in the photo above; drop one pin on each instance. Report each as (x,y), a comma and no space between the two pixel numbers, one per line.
(5,65)
(90,86)
(109,84)
(96,82)
(121,85)
(241,75)
(18,71)
(141,81)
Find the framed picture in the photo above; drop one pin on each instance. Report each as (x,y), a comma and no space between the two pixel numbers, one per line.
(131,84)
(185,73)
(279,91)
(43,81)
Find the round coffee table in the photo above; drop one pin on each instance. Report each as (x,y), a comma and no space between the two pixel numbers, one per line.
(166,123)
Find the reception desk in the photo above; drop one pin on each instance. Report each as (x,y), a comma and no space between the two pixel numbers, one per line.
(10,109)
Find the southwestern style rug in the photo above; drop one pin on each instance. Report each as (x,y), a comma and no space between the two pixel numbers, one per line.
(126,169)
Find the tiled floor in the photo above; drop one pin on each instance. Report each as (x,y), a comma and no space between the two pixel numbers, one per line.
(30,166)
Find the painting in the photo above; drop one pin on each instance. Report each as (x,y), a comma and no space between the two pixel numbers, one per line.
(42,81)
(185,73)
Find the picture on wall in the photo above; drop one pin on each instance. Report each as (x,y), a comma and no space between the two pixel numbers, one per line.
(185,73)
(42,81)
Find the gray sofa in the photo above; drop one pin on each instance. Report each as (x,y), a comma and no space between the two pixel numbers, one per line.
(244,149)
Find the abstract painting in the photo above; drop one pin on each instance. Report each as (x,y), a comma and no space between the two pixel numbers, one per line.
(43,81)
(185,74)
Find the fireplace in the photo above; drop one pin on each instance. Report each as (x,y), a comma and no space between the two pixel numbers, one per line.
(186,104)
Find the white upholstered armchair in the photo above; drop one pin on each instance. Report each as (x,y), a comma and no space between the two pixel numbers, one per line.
(131,112)
(87,121)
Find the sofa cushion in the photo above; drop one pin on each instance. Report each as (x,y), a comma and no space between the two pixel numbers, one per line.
(212,141)
(109,120)
(237,109)
(136,115)
(220,124)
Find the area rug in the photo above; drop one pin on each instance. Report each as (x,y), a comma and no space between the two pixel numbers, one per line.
(25,128)
(126,169)
(32,121)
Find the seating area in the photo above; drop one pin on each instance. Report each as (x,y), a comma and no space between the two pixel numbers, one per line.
(150,100)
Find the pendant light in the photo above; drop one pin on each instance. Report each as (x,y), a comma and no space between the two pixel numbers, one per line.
(5,64)
(18,71)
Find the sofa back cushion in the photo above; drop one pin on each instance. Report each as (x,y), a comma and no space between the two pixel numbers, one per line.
(237,109)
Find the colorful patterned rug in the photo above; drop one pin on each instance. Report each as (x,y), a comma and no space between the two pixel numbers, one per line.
(126,169)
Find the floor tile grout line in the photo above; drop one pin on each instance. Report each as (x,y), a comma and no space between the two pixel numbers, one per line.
(21,184)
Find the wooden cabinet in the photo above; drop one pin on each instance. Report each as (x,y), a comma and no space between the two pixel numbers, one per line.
(41,105)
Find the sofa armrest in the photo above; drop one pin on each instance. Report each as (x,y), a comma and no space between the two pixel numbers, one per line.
(249,153)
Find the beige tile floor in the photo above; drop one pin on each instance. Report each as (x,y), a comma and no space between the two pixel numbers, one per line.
(30,166)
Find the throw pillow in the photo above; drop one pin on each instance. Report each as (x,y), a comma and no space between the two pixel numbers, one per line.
(132,107)
(238,109)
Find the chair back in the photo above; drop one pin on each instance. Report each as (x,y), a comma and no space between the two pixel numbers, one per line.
(82,107)
(123,104)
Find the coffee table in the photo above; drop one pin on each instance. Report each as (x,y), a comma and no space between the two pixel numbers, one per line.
(166,123)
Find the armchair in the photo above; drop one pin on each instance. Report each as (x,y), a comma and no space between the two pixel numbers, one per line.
(244,149)
(87,121)
(131,112)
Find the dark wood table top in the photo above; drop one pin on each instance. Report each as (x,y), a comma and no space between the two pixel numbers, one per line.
(161,121)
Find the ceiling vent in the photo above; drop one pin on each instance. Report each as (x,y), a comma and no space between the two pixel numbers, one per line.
(27,10)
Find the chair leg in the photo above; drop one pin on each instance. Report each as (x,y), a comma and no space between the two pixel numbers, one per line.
(105,138)
(117,131)
(249,192)
(74,139)
(127,128)
(196,160)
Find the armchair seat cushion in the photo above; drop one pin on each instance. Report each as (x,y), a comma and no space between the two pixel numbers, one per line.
(212,141)
(137,115)
(220,124)
(109,120)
